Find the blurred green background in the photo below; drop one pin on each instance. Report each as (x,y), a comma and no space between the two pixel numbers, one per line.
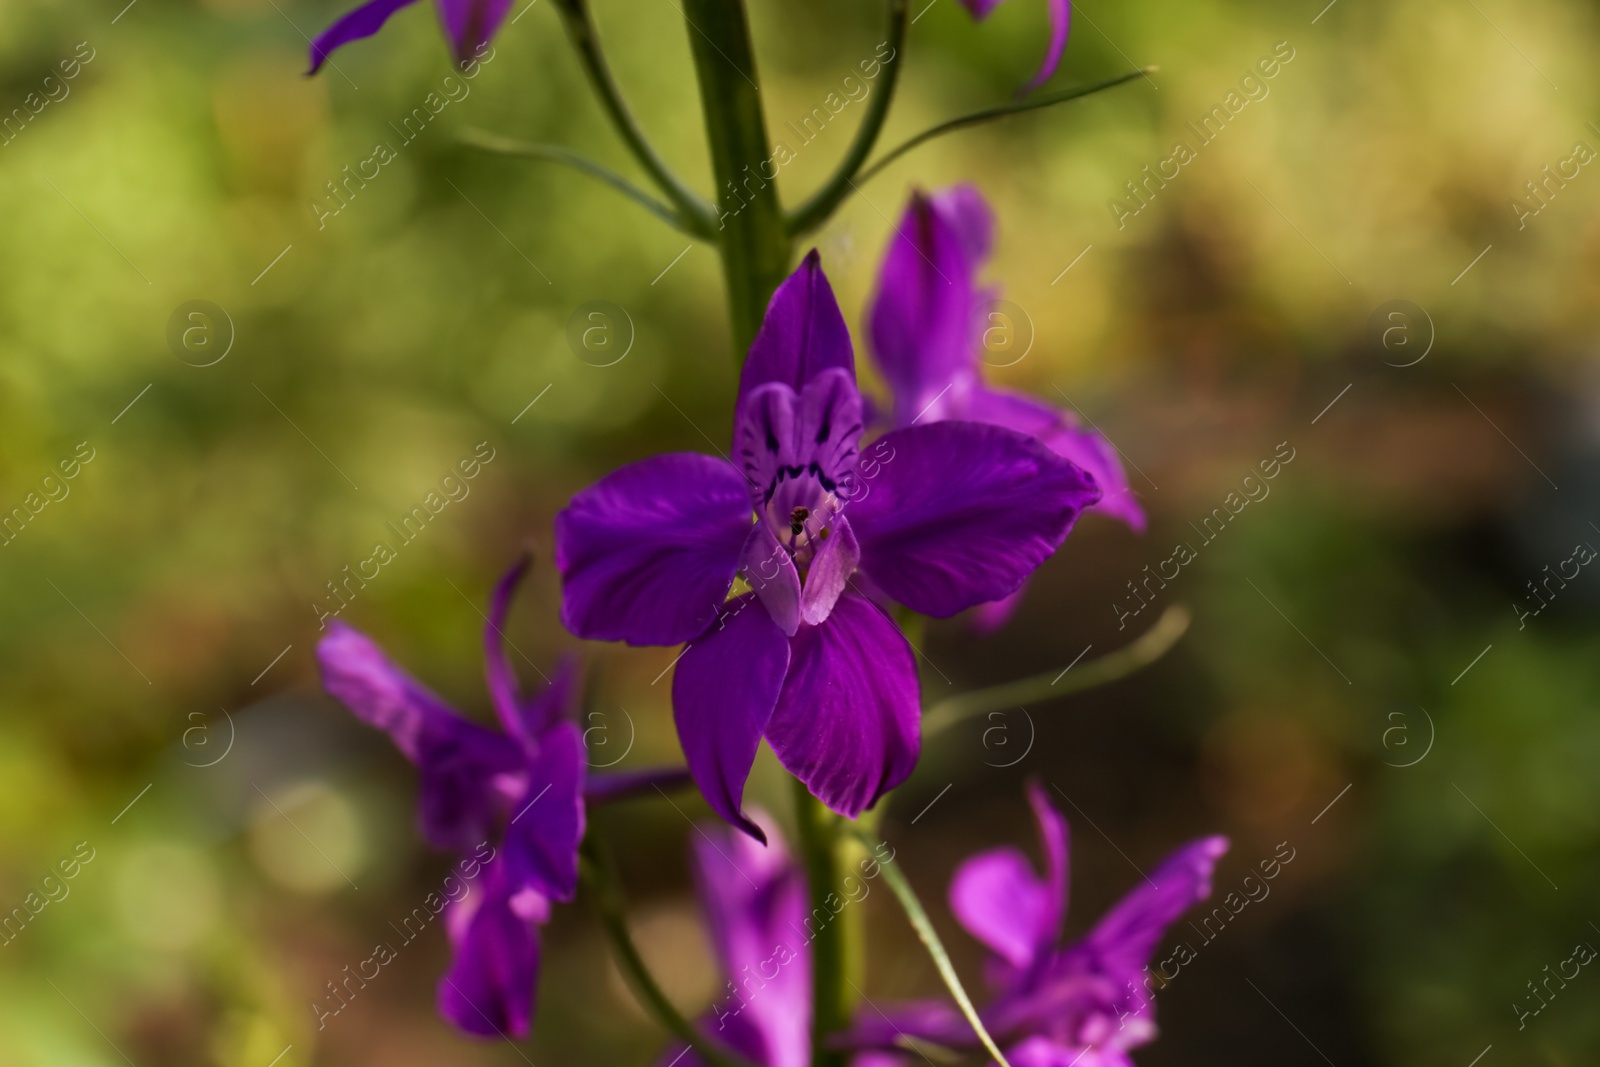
(371,354)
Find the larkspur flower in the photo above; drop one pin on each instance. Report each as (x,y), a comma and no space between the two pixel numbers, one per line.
(925,329)
(938,518)
(754,899)
(1060,12)
(1087,1003)
(523,788)
(470,25)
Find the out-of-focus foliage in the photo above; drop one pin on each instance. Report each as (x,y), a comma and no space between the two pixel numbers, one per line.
(375,348)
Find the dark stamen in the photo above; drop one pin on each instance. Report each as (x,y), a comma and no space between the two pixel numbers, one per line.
(797,520)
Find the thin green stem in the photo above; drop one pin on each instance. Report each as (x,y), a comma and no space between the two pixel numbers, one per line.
(599,878)
(815,211)
(989,114)
(507,146)
(930,940)
(750,231)
(819,850)
(581,30)
(1145,650)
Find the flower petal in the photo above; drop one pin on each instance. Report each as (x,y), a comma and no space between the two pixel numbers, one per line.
(921,317)
(848,723)
(647,554)
(954,514)
(364,21)
(546,826)
(830,570)
(723,692)
(1060,25)
(1000,901)
(471,24)
(1126,937)
(524,718)
(1060,433)
(766,565)
(802,335)
(802,444)
(489,987)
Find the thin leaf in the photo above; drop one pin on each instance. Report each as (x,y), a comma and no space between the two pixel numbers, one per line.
(930,940)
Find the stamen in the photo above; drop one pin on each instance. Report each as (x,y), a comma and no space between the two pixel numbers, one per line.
(797,520)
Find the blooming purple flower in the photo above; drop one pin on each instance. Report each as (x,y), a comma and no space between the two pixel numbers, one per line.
(924,323)
(1060,24)
(523,787)
(940,518)
(755,906)
(1087,1003)
(470,25)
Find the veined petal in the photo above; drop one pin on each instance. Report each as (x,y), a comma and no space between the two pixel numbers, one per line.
(766,565)
(921,317)
(1060,433)
(723,692)
(1060,25)
(471,24)
(802,335)
(830,570)
(796,447)
(647,553)
(848,723)
(541,844)
(959,513)
(489,987)
(364,21)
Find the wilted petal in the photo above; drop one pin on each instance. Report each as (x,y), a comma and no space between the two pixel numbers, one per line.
(364,21)
(471,24)
(960,514)
(848,722)
(802,335)
(647,554)
(489,987)
(541,845)
(723,692)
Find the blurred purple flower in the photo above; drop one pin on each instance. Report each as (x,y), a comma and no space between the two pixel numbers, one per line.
(925,327)
(1060,24)
(755,905)
(470,25)
(1086,1003)
(941,518)
(523,788)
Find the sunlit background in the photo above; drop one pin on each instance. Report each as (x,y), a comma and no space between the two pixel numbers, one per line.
(1356,638)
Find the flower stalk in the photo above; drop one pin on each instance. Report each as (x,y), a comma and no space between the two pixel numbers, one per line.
(820,846)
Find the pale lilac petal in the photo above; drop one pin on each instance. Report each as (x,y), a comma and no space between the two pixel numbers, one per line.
(648,553)
(1061,434)
(960,513)
(541,842)
(830,570)
(723,692)
(1125,939)
(364,21)
(1000,901)
(356,673)
(921,319)
(1053,842)
(802,335)
(848,722)
(471,24)
(1047,1052)
(489,987)
(770,572)
(1060,25)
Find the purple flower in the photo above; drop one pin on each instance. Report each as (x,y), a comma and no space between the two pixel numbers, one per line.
(940,518)
(523,787)
(470,25)
(1060,23)
(925,327)
(755,906)
(1087,1003)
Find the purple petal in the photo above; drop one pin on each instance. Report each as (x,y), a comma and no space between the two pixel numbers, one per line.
(723,692)
(936,1020)
(921,318)
(796,447)
(802,335)
(755,905)
(769,570)
(357,674)
(623,785)
(964,210)
(987,618)
(647,554)
(1060,24)
(980,9)
(849,720)
(830,571)
(1047,1052)
(1126,937)
(998,899)
(364,21)
(1060,433)
(489,987)
(523,718)
(959,513)
(547,822)
(471,24)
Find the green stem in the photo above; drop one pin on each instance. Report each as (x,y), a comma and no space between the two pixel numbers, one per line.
(815,211)
(819,850)
(599,878)
(580,28)
(930,940)
(754,243)
(1145,650)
